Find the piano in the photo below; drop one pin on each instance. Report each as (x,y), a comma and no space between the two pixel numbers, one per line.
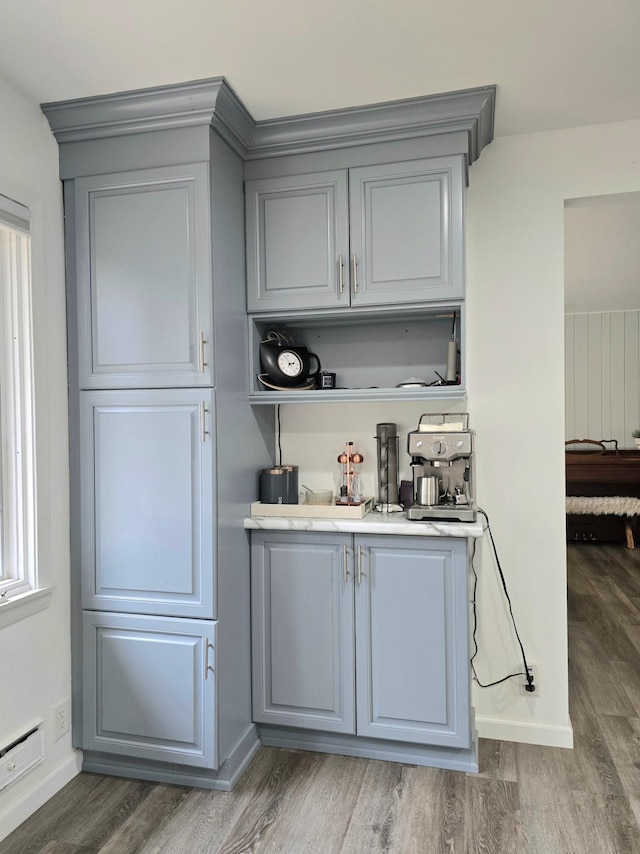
(607,473)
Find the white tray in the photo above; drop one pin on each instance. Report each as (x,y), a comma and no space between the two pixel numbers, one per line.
(313,511)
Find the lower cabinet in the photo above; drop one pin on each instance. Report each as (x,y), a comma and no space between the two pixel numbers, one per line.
(303,631)
(149,688)
(365,635)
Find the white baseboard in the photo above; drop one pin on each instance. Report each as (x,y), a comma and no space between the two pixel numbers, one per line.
(25,806)
(547,735)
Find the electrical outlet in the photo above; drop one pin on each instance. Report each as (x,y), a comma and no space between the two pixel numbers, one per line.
(533,670)
(61,719)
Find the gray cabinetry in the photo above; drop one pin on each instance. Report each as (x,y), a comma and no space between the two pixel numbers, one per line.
(149,687)
(154,214)
(406,232)
(412,648)
(410,668)
(303,644)
(144,278)
(297,242)
(148,509)
(155,209)
(395,238)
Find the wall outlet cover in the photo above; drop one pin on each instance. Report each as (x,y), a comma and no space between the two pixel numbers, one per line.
(61,721)
(533,670)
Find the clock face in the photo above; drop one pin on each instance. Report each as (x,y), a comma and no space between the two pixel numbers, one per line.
(290,363)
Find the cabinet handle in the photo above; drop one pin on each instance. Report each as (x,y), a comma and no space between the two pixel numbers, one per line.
(340,278)
(207,668)
(202,361)
(203,421)
(359,564)
(345,571)
(355,273)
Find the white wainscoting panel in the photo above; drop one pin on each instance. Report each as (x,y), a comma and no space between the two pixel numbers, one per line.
(602,376)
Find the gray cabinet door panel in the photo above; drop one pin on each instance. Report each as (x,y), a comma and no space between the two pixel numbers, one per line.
(412,641)
(296,232)
(406,231)
(303,631)
(149,688)
(147,488)
(144,278)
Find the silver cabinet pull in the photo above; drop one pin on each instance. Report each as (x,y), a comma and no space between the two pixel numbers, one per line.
(202,361)
(345,571)
(340,278)
(207,667)
(355,273)
(203,421)
(359,564)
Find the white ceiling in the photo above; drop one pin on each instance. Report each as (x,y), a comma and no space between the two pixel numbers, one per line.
(557,63)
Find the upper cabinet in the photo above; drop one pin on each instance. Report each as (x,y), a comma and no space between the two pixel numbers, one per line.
(406,239)
(297,241)
(389,234)
(143,263)
(355,245)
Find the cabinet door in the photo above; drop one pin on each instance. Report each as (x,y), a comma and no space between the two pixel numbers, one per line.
(412,650)
(149,688)
(302,612)
(297,236)
(147,501)
(406,231)
(143,273)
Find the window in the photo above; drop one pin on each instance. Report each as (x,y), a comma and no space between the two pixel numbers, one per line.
(18,570)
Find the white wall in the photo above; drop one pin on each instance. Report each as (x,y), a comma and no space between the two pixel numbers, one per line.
(602,253)
(602,376)
(515,377)
(35,671)
(515,317)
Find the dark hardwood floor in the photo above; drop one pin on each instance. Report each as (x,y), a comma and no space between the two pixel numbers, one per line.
(525,799)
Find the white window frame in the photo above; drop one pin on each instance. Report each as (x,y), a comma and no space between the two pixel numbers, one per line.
(18,497)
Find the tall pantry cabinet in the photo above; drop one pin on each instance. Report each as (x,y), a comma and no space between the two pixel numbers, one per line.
(164,444)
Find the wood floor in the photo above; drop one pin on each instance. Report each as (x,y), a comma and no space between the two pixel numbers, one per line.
(525,799)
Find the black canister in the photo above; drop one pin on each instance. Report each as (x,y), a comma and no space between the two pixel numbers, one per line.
(326,379)
(274,486)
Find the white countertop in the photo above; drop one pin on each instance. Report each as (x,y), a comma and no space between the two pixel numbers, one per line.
(372,523)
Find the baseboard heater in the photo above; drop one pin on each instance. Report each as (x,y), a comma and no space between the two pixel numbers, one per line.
(21,754)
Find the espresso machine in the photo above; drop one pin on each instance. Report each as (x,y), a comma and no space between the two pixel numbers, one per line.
(441,452)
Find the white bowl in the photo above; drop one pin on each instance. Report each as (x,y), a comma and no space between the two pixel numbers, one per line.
(320,496)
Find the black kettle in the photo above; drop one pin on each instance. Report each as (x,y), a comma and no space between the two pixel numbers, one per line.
(287,365)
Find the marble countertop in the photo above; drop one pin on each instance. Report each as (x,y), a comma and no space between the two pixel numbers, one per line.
(372,523)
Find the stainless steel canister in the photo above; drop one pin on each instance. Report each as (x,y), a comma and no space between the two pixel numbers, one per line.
(292,484)
(427,491)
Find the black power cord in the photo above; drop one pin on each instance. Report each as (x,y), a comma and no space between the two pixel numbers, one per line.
(279,441)
(530,687)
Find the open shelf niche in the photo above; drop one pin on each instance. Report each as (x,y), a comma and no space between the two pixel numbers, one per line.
(370,353)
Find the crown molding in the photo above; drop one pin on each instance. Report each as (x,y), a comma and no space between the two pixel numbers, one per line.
(202,102)
(213,102)
(470,110)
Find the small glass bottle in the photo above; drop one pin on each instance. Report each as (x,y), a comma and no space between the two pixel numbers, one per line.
(356,478)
